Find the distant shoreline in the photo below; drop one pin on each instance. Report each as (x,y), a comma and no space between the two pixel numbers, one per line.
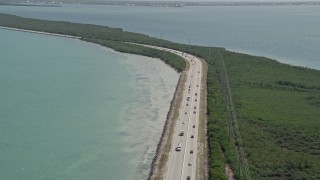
(39,32)
(30,5)
(176,4)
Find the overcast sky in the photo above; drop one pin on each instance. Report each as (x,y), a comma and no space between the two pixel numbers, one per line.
(227,0)
(224,0)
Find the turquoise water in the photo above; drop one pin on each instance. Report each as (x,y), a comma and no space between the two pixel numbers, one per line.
(288,33)
(74,110)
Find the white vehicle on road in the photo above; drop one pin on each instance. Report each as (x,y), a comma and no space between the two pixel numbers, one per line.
(178,148)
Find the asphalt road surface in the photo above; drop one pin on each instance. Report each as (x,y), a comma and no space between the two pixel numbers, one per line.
(182,162)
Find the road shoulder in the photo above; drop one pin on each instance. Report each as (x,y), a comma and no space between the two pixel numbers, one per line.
(202,160)
(159,163)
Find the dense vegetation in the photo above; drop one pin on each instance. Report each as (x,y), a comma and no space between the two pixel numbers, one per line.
(278,109)
(275,107)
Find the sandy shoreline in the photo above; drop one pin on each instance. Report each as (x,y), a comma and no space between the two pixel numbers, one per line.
(160,159)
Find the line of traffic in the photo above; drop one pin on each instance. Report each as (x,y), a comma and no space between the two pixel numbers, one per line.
(181,163)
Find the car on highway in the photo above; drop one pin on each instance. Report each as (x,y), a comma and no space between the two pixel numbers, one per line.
(192,136)
(194,112)
(183,122)
(190,164)
(178,148)
(186,113)
(181,133)
(194,126)
(195,100)
(195,107)
(187,104)
(191,151)
(188,177)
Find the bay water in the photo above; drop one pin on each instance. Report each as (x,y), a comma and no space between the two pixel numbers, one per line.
(75,110)
(289,34)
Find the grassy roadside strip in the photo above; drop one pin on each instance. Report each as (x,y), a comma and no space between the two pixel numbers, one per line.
(202,160)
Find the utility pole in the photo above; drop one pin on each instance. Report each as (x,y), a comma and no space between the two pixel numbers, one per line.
(239,173)
(229,129)
(209,51)
(189,45)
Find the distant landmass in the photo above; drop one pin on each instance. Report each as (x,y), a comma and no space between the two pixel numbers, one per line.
(155,3)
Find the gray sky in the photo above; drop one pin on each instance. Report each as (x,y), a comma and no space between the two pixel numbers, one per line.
(225,0)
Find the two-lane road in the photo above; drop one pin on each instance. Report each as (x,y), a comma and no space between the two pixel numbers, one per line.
(182,164)
(183,155)
(182,160)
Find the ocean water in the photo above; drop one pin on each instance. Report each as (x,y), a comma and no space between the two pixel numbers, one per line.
(289,34)
(75,110)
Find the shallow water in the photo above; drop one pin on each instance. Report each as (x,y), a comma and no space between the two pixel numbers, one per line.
(75,110)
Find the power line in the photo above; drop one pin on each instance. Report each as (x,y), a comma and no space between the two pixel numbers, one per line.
(242,158)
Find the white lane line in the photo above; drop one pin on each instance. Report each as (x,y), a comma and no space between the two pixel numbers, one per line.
(181,109)
(192,104)
(197,130)
(194,79)
(193,157)
(175,155)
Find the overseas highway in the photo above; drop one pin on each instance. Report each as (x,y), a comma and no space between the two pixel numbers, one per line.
(182,160)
